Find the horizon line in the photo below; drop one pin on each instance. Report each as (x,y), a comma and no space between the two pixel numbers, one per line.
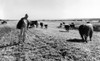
(56,19)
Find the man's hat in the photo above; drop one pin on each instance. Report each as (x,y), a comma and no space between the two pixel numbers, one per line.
(26,15)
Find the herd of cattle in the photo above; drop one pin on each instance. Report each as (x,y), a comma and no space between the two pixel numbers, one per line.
(67,26)
(85,30)
(36,24)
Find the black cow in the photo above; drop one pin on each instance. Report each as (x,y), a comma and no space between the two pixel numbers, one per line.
(46,26)
(41,24)
(85,31)
(34,23)
(67,27)
(3,22)
(63,23)
(72,25)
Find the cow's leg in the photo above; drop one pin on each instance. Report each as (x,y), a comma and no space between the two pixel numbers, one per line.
(46,27)
(67,30)
(32,25)
(91,33)
(36,25)
(42,26)
(86,37)
(81,35)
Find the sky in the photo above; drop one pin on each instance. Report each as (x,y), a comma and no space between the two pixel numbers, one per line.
(49,9)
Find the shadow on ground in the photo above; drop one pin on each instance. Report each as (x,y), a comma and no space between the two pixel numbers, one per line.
(63,31)
(75,40)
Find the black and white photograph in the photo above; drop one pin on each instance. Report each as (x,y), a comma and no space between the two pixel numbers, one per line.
(49,30)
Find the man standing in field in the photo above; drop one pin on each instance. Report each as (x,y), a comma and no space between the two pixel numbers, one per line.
(23,26)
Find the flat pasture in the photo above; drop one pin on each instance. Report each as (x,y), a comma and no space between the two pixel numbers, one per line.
(51,44)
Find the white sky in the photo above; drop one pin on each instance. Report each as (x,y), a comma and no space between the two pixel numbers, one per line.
(49,9)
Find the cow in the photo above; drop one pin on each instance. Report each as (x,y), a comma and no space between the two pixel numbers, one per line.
(67,27)
(60,25)
(34,23)
(63,23)
(46,26)
(41,24)
(86,30)
(3,22)
(72,25)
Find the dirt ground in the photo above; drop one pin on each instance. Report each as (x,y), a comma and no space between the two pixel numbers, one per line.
(52,44)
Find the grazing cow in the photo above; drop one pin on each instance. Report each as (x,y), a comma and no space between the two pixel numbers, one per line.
(60,25)
(46,26)
(63,23)
(67,27)
(3,22)
(72,25)
(85,31)
(41,24)
(32,23)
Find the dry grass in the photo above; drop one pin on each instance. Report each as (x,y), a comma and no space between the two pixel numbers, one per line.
(50,44)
